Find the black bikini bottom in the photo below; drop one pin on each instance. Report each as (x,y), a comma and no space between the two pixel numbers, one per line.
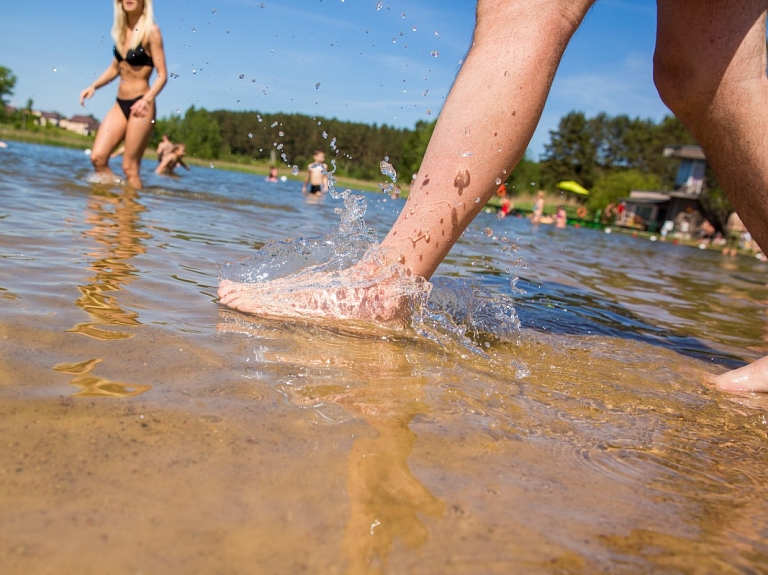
(125,105)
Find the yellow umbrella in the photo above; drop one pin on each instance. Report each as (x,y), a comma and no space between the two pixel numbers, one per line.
(571,186)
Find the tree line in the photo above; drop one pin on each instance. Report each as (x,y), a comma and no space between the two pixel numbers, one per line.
(609,155)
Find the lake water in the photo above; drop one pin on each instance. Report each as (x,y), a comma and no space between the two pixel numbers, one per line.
(147,429)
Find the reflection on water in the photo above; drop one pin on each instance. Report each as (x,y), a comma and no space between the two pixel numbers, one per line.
(93,386)
(114,217)
(383,387)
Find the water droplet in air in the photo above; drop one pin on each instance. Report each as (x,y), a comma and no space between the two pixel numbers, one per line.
(280,147)
(388,170)
(261,5)
(295,170)
(437,33)
(250,135)
(194,71)
(317,85)
(213,10)
(54,69)
(193,30)
(488,231)
(325,135)
(274,124)
(379,5)
(241,76)
(498,181)
(414,28)
(435,53)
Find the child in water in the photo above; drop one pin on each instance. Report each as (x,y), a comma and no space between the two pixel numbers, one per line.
(317,175)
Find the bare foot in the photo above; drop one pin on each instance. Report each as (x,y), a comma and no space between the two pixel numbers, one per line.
(752,377)
(358,293)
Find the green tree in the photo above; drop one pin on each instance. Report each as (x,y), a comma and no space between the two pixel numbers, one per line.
(571,153)
(617,185)
(7,84)
(415,146)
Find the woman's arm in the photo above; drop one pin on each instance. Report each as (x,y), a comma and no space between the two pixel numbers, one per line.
(106,77)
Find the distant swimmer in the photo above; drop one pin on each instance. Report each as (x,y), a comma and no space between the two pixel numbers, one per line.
(138,50)
(171,160)
(163,148)
(272,177)
(317,175)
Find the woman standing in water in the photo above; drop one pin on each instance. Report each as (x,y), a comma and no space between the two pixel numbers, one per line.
(138,49)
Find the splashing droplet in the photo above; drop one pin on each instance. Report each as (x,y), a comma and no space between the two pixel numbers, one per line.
(388,170)
(250,135)
(379,5)
(295,170)
(498,181)
(317,85)
(487,231)
(435,53)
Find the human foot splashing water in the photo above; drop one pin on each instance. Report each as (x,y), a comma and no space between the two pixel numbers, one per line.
(369,290)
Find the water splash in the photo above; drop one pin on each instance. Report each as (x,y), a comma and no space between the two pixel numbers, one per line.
(454,313)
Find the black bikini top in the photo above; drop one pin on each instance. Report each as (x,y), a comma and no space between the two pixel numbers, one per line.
(137,57)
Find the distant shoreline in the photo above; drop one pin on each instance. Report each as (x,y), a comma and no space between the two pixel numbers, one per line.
(47,137)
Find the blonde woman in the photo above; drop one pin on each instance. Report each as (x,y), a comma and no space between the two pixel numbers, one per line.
(138,50)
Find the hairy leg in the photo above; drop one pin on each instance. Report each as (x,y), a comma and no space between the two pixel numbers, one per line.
(137,136)
(485,125)
(483,131)
(710,69)
(111,131)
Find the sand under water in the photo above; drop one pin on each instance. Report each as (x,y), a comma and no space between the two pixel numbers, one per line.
(146,429)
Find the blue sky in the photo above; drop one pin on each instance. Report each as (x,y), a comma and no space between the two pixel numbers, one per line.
(389,62)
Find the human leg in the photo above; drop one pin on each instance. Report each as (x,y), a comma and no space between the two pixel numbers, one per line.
(483,131)
(485,126)
(110,133)
(710,69)
(137,136)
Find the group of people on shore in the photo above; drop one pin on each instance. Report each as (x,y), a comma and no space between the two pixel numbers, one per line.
(709,69)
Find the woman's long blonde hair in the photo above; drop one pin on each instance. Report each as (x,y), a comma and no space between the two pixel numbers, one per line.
(143,28)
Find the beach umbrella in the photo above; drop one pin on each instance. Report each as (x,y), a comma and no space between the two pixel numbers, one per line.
(571,186)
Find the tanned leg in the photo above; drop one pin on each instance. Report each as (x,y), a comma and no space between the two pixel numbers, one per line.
(710,69)
(137,136)
(110,133)
(483,131)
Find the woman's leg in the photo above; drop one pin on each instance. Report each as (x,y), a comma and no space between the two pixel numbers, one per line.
(110,133)
(137,136)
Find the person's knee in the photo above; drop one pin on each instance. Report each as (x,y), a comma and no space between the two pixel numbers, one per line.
(130,167)
(683,85)
(99,159)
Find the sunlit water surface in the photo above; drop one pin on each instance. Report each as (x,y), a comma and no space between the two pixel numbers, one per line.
(146,429)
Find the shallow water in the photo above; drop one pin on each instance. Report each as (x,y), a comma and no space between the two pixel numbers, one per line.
(146,429)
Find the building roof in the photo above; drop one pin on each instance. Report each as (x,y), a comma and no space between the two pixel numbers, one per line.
(87,120)
(685,152)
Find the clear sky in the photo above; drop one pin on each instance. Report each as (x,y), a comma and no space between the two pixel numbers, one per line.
(389,62)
